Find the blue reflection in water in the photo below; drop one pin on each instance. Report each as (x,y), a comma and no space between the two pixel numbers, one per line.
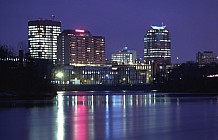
(113,116)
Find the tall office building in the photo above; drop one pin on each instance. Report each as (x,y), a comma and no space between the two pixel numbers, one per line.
(124,56)
(42,39)
(80,47)
(157,46)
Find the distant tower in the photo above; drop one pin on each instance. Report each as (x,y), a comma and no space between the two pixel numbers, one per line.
(42,39)
(124,56)
(157,46)
(206,57)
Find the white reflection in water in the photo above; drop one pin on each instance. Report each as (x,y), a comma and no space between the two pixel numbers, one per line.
(107,117)
(154,100)
(124,115)
(92,103)
(137,100)
(177,99)
(131,100)
(107,104)
(124,101)
(60,118)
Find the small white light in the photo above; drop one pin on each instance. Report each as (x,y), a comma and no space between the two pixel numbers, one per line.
(59,74)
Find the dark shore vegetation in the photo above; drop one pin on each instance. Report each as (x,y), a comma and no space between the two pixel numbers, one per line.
(190,77)
(29,79)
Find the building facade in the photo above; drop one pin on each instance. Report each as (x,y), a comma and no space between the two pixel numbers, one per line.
(77,47)
(124,56)
(99,75)
(206,57)
(42,39)
(157,46)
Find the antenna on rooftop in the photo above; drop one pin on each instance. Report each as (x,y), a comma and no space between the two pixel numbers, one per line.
(162,23)
(52,17)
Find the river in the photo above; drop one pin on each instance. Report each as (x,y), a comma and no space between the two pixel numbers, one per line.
(110,116)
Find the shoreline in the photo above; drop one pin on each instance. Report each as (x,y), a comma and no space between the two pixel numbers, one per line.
(84,90)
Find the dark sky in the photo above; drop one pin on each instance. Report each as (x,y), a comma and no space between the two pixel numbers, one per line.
(193,24)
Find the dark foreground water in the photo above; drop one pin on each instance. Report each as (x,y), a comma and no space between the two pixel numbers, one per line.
(112,116)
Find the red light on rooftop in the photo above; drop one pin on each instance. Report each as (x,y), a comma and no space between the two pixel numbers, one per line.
(79,31)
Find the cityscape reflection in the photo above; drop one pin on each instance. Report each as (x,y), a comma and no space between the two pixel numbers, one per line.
(105,115)
(116,100)
(102,116)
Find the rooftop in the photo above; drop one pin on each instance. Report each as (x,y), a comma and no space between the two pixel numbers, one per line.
(158,27)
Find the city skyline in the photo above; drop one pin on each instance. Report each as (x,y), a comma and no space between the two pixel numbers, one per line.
(192,25)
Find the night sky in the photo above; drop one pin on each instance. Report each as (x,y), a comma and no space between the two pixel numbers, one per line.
(193,24)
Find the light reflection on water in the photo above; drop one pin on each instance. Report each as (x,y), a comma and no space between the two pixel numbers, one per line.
(116,116)
(114,100)
(60,118)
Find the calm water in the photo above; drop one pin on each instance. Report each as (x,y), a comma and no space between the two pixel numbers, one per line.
(112,116)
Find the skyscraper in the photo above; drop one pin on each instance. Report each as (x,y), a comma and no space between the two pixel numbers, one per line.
(42,39)
(157,46)
(80,47)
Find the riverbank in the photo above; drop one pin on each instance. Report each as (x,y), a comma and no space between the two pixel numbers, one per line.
(27,96)
(143,87)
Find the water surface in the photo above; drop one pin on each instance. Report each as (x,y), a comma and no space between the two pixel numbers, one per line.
(111,116)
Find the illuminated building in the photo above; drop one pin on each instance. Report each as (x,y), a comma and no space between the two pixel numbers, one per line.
(157,46)
(124,56)
(148,68)
(99,75)
(42,38)
(206,57)
(76,47)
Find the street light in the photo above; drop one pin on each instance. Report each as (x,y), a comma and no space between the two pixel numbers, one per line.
(60,78)
(59,75)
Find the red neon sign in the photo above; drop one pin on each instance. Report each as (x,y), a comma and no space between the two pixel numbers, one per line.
(80,31)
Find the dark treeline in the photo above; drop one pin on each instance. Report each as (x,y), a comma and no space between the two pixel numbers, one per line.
(31,78)
(190,77)
(5,52)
